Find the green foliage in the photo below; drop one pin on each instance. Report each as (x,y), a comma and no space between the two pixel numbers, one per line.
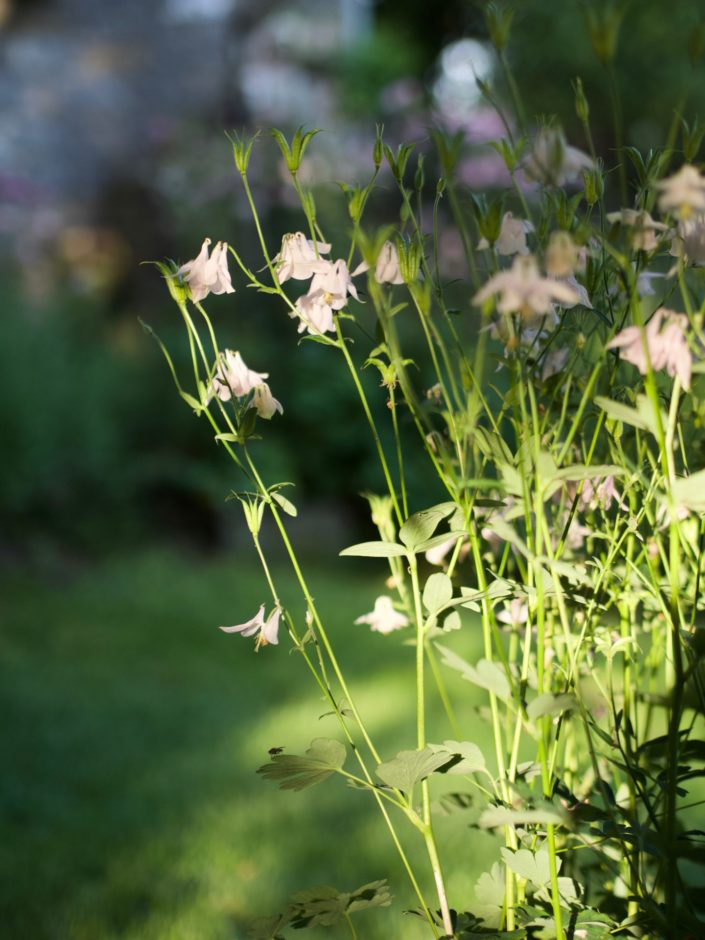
(323,758)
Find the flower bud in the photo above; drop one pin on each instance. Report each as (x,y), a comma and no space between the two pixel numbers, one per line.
(582,108)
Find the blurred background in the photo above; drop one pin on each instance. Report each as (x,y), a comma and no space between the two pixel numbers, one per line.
(131,726)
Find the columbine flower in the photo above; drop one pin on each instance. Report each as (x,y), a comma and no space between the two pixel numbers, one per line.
(384,618)
(298,258)
(563,256)
(387,267)
(602,494)
(206,275)
(267,630)
(437,554)
(515,614)
(683,192)
(512,236)
(689,240)
(665,336)
(265,403)
(522,289)
(554,362)
(233,378)
(643,237)
(552,161)
(329,291)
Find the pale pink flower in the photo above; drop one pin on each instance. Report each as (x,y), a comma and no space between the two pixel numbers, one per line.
(514,614)
(300,258)
(387,267)
(643,237)
(437,554)
(264,402)
(522,289)
(682,193)
(552,161)
(207,275)
(329,291)
(384,618)
(600,493)
(233,378)
(689,240)
(512,236)
(563,256)
(267,631)
(664,337)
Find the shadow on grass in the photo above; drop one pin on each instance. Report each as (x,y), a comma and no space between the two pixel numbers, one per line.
(132,729)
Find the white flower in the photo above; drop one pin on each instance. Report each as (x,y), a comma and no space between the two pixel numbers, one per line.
(552,161)
(329,291)
(298,259)
(265,403)
(515,614)
(267,630)
(644,287)
(233,378)
(437,554)
(689,241)
(522,289)
(580,290)
(563,256)
(512,236)
(206,275)
(665,338)
(387,267)
(683,192)
(384,618)
(644,237)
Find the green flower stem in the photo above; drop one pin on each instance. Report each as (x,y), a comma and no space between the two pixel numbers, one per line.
(370,420)
(400,454)
(429,839)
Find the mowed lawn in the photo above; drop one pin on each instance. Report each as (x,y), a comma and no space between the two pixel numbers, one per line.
(131,732)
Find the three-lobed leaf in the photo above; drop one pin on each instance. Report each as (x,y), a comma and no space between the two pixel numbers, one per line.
(296,772)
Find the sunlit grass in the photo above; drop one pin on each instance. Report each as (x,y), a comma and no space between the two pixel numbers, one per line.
(132,730)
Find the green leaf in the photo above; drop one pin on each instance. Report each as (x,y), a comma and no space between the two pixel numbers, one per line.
(437,592)
(690,491)
(375,550)
(439,540)
(409,767)
(374,894)
(469,757)
(489,891)
(495,817)
(285,504)
(548,704)
(642,417)
(534,866)
(294,772)
(421,526)
(486,674)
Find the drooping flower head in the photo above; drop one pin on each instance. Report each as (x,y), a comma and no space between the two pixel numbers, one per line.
(207,275)
(524,290)
(554,162)
(664,339)
(384,618)
(300,258)
(267,631)
(233,379)
(329,291)
(643,229)
(387,267)
(512,236)
(683,193)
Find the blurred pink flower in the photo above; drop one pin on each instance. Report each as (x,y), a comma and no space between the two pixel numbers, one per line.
(664,338)
(523,289)
(683,192)
(643,236)
(552,161)
(387,268)
(512,236)
(384,618)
